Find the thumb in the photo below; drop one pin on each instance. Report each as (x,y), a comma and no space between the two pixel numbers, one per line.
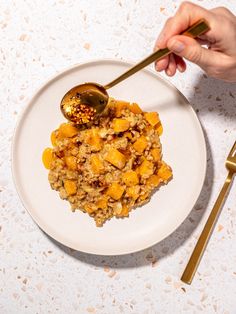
(191,50)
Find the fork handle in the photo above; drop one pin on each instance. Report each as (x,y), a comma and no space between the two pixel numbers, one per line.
(200,247)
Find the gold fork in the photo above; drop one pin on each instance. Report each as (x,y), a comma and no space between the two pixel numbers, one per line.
(200,247)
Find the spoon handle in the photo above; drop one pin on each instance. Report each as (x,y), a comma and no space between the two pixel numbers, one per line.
(193,31)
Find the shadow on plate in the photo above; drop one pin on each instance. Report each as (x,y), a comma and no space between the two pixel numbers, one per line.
(203,100)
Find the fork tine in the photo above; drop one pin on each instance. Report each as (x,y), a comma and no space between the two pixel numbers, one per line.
(232,153)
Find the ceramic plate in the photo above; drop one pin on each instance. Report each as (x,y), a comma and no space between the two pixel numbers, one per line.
(183,148)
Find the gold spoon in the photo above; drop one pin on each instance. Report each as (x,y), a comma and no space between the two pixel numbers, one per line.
(83,102)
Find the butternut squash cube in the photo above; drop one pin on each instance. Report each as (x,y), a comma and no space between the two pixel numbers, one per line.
(146,168)
(67,130)
(120,125)
(156,154)
(90,208)
(135,108)
(130,178)
(116,158)
(70,187)
(133,192)
(164,172)
(93,139)
(54,139)
(102,202)
(96,164)
(159,128)
(47,157)
(120,105)
(115,191)
(71,162)
(128,135)
(140,144)
(152,118)
(154,180)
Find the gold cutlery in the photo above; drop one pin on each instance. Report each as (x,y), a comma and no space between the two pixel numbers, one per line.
(200,247)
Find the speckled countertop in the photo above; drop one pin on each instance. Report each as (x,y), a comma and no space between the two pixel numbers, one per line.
(40,38)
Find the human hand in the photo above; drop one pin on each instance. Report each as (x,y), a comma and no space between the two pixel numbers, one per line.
(218,60)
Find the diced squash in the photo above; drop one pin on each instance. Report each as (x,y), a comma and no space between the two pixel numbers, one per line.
(120,105)
(47,157)
(90,208)
(115,191)
(156,154)
(144,196)
(146,168)
(120,125)
(164,172)
(128,135)
(70,187)
(96,164)
(130,178)
(93,139)
(133,192)
(152,118)
(116,158)
(135,108)
(102,202)
(140,144)
(54,139)
(159,128)
(154,180)
(67,130)
(71,162)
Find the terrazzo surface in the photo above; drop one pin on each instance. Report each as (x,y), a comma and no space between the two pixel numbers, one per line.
(37,275)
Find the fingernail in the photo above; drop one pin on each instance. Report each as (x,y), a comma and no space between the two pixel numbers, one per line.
(157,66)
(160,39)
(177,46)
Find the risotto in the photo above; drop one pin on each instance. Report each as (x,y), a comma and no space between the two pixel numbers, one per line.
(111,165)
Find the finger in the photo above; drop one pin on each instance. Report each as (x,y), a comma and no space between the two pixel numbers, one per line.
(162,64)
(187,14)
(171,70)
(180,63)
(190,49)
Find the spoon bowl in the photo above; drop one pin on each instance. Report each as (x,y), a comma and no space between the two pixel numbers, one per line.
(83,102)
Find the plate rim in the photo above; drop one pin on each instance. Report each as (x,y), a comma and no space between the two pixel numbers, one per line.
(18,124)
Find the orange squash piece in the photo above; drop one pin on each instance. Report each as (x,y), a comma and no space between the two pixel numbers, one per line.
(120,125)
(156,154)
(116,158)
(164,172)
(93,139)
(96,164)
(115,191)
(152,118)
(140,144)
(133,192)
(119,106)
(146,168)
(130,178)
(135,108)
(154,180)
(71,162)
(67,130)
(47,157)
(70,187)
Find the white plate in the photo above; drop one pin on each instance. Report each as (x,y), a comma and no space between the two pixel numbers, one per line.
(183,148)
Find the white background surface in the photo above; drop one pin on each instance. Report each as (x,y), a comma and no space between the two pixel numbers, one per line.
(38,39)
